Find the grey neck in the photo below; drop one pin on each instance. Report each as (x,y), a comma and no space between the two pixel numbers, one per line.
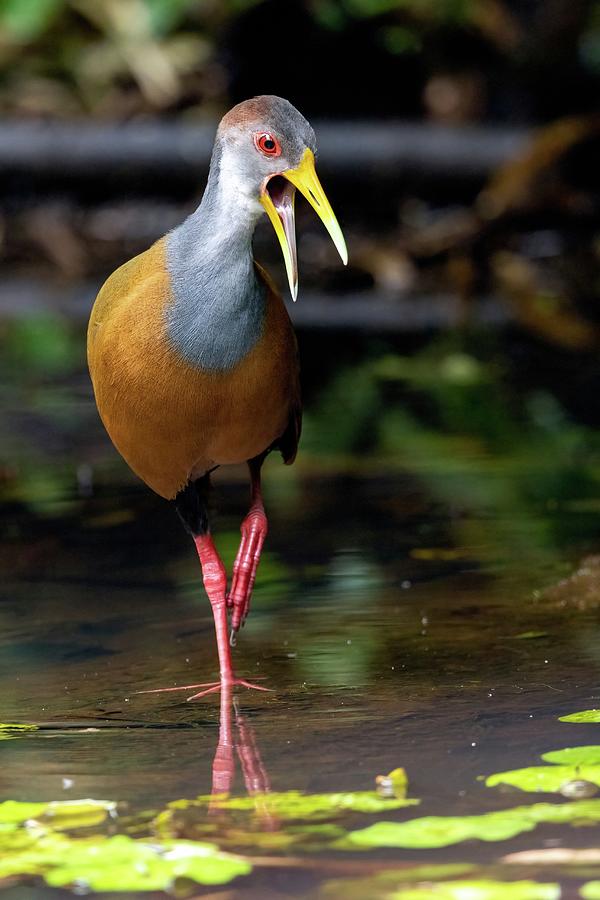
(218,307)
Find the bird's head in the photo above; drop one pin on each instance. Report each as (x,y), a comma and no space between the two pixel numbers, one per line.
(268,150)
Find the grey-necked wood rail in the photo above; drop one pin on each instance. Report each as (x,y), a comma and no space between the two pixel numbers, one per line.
(191,351)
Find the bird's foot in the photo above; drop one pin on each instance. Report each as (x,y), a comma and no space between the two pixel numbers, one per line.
(210,687)
(221,686)
(254,531)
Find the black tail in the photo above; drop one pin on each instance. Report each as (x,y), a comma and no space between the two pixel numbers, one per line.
(192,506)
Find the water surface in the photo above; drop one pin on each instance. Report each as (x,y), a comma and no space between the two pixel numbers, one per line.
(400,619)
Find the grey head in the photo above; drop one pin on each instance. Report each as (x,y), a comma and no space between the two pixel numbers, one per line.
(248,161)
(264,149)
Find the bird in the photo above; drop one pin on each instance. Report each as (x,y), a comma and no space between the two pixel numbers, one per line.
(191,351)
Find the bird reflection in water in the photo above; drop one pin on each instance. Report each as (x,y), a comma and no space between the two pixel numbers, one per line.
(236,736)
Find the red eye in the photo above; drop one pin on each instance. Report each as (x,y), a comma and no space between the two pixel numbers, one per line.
(267,144)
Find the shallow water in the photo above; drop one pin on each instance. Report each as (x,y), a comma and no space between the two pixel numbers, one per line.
(399,620)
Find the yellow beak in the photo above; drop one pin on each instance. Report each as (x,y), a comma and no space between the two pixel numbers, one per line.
(279,206)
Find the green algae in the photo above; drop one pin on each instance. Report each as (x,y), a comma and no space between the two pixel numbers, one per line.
(586,716)
(442,831)
(308,838)
(479,890)
(9,732)
(530,635)
(294,805)
(42,839)
(61,814)
(31,853)
(588,755)
(120,863)
(544,779)
(381,884)
(432,883)
(19,727)
(35,841)
(569,764)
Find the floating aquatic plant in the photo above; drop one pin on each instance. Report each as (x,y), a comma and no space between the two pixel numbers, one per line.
(442,831)
(10,731)
(586,716)
(292,805)
(384,883)
(36,839)
(120,863)
(480,890)
(60,814)
(568,765)
(432,883)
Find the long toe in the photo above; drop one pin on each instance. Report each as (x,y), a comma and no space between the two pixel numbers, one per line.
(236,682)
(210,687)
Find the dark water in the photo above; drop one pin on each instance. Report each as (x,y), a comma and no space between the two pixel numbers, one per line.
(399,619)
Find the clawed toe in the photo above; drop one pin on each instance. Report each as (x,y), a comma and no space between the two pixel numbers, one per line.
(183,687)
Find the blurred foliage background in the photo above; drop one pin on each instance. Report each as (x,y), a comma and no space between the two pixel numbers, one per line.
(456,60)
(500,389)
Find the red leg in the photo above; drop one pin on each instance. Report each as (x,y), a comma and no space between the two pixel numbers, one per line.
(215,583)
(254,531)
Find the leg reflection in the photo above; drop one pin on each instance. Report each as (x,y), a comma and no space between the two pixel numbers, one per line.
(223,770)
(255,775)
(236,734)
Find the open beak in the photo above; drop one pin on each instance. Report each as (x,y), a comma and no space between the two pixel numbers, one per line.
(277,197)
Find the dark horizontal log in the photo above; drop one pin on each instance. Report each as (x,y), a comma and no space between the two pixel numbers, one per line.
(369,312)
(360,149)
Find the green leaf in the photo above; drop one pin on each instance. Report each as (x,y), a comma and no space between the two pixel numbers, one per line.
(30,854)
(591,890)
(382,883)
(42,344)
(166,15)
(122,864)
(304,837)
(575,756)
(60,814)
(480,890)
(25,20)
(569,764)
(588,715)
(9,732)
(17,727)
(545,778)
(13,811)
(296,805)
(442,831)
(530,635)
(32,842)
(399,780)
(63,815)
(368,8)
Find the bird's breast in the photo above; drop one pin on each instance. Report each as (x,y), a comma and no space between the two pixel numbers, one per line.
(169,413)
